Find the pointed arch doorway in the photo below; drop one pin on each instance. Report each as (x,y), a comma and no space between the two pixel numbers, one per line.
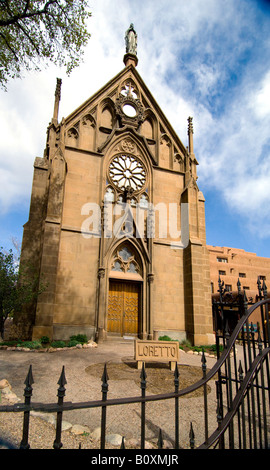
(124,307)
(124,314)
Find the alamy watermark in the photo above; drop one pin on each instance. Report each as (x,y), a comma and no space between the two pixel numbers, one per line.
(122,220)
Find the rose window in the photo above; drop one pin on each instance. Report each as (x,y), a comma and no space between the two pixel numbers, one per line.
(126,171)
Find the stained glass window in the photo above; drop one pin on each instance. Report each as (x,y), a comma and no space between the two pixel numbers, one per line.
(125,254)
(125,261)
(117,266)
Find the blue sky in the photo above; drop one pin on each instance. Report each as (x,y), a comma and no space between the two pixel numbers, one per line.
(207,59)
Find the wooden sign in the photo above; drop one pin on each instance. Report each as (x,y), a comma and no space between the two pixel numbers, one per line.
(156,351)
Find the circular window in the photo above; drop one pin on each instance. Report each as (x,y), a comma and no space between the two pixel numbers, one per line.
(129,110)
(127,171)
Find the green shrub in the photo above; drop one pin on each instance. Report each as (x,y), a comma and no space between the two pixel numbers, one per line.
(165,338)
(207,348)
(58,344)
(45,340)
(30,344)
(79,338)
(213,348)
(72,343)
(186,342)
(9,343)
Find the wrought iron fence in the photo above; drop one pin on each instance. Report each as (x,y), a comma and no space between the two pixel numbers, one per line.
(243,394)
(242,389)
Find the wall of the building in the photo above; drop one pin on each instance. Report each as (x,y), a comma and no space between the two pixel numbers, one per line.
(168,291)
(233,264)
(168,308)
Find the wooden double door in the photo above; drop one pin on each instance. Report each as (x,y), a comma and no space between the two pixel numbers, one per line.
(124,307)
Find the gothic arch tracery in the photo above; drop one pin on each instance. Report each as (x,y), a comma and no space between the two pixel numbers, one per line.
(128,172)
(129,88)
(126,260)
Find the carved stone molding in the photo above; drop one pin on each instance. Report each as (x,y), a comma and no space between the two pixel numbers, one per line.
(101,272)
(41,163)
(128,145)
(125,104)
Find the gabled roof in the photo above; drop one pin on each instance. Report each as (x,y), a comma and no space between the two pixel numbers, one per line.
(128,72)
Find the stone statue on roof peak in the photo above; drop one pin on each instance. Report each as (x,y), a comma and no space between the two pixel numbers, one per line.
(131,40)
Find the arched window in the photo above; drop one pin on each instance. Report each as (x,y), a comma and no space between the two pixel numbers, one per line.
(107,118)
(147,129)
(87,136)
(72,137)
(125,260)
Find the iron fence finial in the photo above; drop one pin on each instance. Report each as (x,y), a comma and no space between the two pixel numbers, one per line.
(123,443)
(29,378)
(191,437)
(203,360)
(160,440)
(143,375)
(176,378)
(240,371)
(105,376)
(245,298)
(62,380)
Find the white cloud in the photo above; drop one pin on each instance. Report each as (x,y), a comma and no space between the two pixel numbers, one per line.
(261,98)
(238,160)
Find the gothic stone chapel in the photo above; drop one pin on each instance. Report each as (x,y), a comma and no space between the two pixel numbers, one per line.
(109,198)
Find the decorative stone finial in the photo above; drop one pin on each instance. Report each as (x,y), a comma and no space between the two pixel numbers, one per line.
(190,134)
(190,125)
(57,100)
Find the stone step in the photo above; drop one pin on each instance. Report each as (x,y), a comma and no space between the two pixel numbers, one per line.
(122,339)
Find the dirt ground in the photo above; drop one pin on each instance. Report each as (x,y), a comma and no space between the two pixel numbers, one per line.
(158,376)
(84,369)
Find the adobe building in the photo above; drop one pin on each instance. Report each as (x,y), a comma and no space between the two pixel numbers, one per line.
(239,271)
(110,195)
(233,264)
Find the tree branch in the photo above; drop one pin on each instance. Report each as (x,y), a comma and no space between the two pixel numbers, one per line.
(24,15)
(25,32)
(26,7)
(9,47)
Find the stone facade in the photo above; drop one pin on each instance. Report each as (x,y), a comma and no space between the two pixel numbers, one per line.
(113,177)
